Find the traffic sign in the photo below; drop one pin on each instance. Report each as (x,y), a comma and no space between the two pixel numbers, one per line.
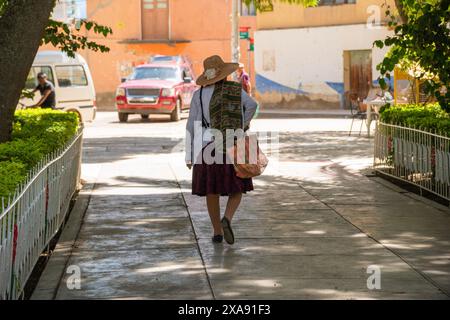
(244,33)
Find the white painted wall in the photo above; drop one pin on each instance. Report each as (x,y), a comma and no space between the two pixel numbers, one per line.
(312,56)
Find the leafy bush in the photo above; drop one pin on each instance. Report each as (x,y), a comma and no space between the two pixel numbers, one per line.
(53,127)
(36,133)
(11,175)
(425,117)
(28,151)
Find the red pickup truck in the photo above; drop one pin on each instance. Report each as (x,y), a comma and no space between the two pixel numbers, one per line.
(156,88)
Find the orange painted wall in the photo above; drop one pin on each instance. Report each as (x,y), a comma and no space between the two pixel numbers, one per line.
(206,24)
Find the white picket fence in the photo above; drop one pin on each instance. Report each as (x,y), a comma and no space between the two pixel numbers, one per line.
(34,215)
(415,156)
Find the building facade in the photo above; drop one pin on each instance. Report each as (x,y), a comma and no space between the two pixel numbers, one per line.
(309,58)
(142,28)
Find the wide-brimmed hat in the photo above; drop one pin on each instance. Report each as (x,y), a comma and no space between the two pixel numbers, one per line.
(215,70)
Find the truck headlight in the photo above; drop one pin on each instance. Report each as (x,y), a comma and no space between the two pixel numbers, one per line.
(170,92)
(121,92)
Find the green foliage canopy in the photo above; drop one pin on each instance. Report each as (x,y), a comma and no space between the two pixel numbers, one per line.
(67,37)
(423,39)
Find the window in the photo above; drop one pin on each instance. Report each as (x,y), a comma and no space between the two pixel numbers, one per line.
(335,2)
(165,59)
(247,10)
(71,76)
(155,73)
(66,10)
(32,81)
(155,4)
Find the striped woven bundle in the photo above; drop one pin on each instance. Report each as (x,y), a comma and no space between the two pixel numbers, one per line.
(225,107)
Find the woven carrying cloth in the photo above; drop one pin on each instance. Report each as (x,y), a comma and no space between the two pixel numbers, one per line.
(225,108)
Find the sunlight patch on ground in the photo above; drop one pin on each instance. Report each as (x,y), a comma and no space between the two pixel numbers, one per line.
(130,190)
(316,232)
(166,267)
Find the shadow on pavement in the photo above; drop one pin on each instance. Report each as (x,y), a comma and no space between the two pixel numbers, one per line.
(110,150)
(308,233)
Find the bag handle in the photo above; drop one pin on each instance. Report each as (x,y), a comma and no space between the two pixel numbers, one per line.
(204,122)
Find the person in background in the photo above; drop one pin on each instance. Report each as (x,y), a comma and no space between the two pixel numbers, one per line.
(375,93)
(244,79)
(47,90)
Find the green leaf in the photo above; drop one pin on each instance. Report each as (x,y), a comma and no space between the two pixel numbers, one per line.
(379,44)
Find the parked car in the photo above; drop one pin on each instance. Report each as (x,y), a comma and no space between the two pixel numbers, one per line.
(72,80)
(157,88)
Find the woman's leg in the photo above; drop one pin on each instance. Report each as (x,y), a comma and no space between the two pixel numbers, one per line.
(213,204)
(233,204)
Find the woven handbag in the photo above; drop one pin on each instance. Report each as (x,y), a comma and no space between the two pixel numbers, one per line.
(248,159)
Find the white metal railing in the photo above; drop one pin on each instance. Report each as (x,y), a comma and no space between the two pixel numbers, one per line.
(33,216)
(413,155)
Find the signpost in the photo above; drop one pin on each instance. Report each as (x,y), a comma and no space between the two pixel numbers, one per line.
(244,33)
(251,48)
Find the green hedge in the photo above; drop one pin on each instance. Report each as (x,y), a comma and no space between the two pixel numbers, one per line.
(36,133)
(429,117)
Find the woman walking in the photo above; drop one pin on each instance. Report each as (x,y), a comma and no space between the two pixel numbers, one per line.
(220,105)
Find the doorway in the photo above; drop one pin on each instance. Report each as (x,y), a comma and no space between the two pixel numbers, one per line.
(357,73)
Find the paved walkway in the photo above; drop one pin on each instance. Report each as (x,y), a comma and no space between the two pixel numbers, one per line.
(309,231)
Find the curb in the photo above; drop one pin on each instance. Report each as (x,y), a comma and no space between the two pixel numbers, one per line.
(302,115)
(396,188)
(54,271)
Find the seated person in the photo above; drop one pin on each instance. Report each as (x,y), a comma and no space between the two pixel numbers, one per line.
(376,93)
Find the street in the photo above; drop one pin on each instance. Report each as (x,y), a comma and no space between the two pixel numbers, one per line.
(315,227)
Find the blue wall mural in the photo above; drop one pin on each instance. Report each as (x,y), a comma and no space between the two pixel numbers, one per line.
(336,86)
(265,85)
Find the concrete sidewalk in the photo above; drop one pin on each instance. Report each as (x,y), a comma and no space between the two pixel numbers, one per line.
(309,231)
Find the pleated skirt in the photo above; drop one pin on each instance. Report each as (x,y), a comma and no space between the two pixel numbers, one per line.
(218,179)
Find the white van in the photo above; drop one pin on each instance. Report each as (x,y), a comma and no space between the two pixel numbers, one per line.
(72,79)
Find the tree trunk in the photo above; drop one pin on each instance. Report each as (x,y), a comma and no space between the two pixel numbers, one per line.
(22,26)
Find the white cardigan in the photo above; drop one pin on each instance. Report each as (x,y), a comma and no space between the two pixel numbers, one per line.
(195,116)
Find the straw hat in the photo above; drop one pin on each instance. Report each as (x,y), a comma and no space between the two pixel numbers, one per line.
(215,70)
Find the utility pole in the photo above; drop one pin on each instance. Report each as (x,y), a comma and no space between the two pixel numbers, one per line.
(169,20)
(235,49)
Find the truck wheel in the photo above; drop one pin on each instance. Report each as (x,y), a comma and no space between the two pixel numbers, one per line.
(145,116)
(176,114)
(123,117)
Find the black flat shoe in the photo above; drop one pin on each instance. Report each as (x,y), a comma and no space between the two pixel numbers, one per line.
(227,231)
(217,239)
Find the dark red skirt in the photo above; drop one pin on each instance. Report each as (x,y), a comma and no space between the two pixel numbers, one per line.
(218,179)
